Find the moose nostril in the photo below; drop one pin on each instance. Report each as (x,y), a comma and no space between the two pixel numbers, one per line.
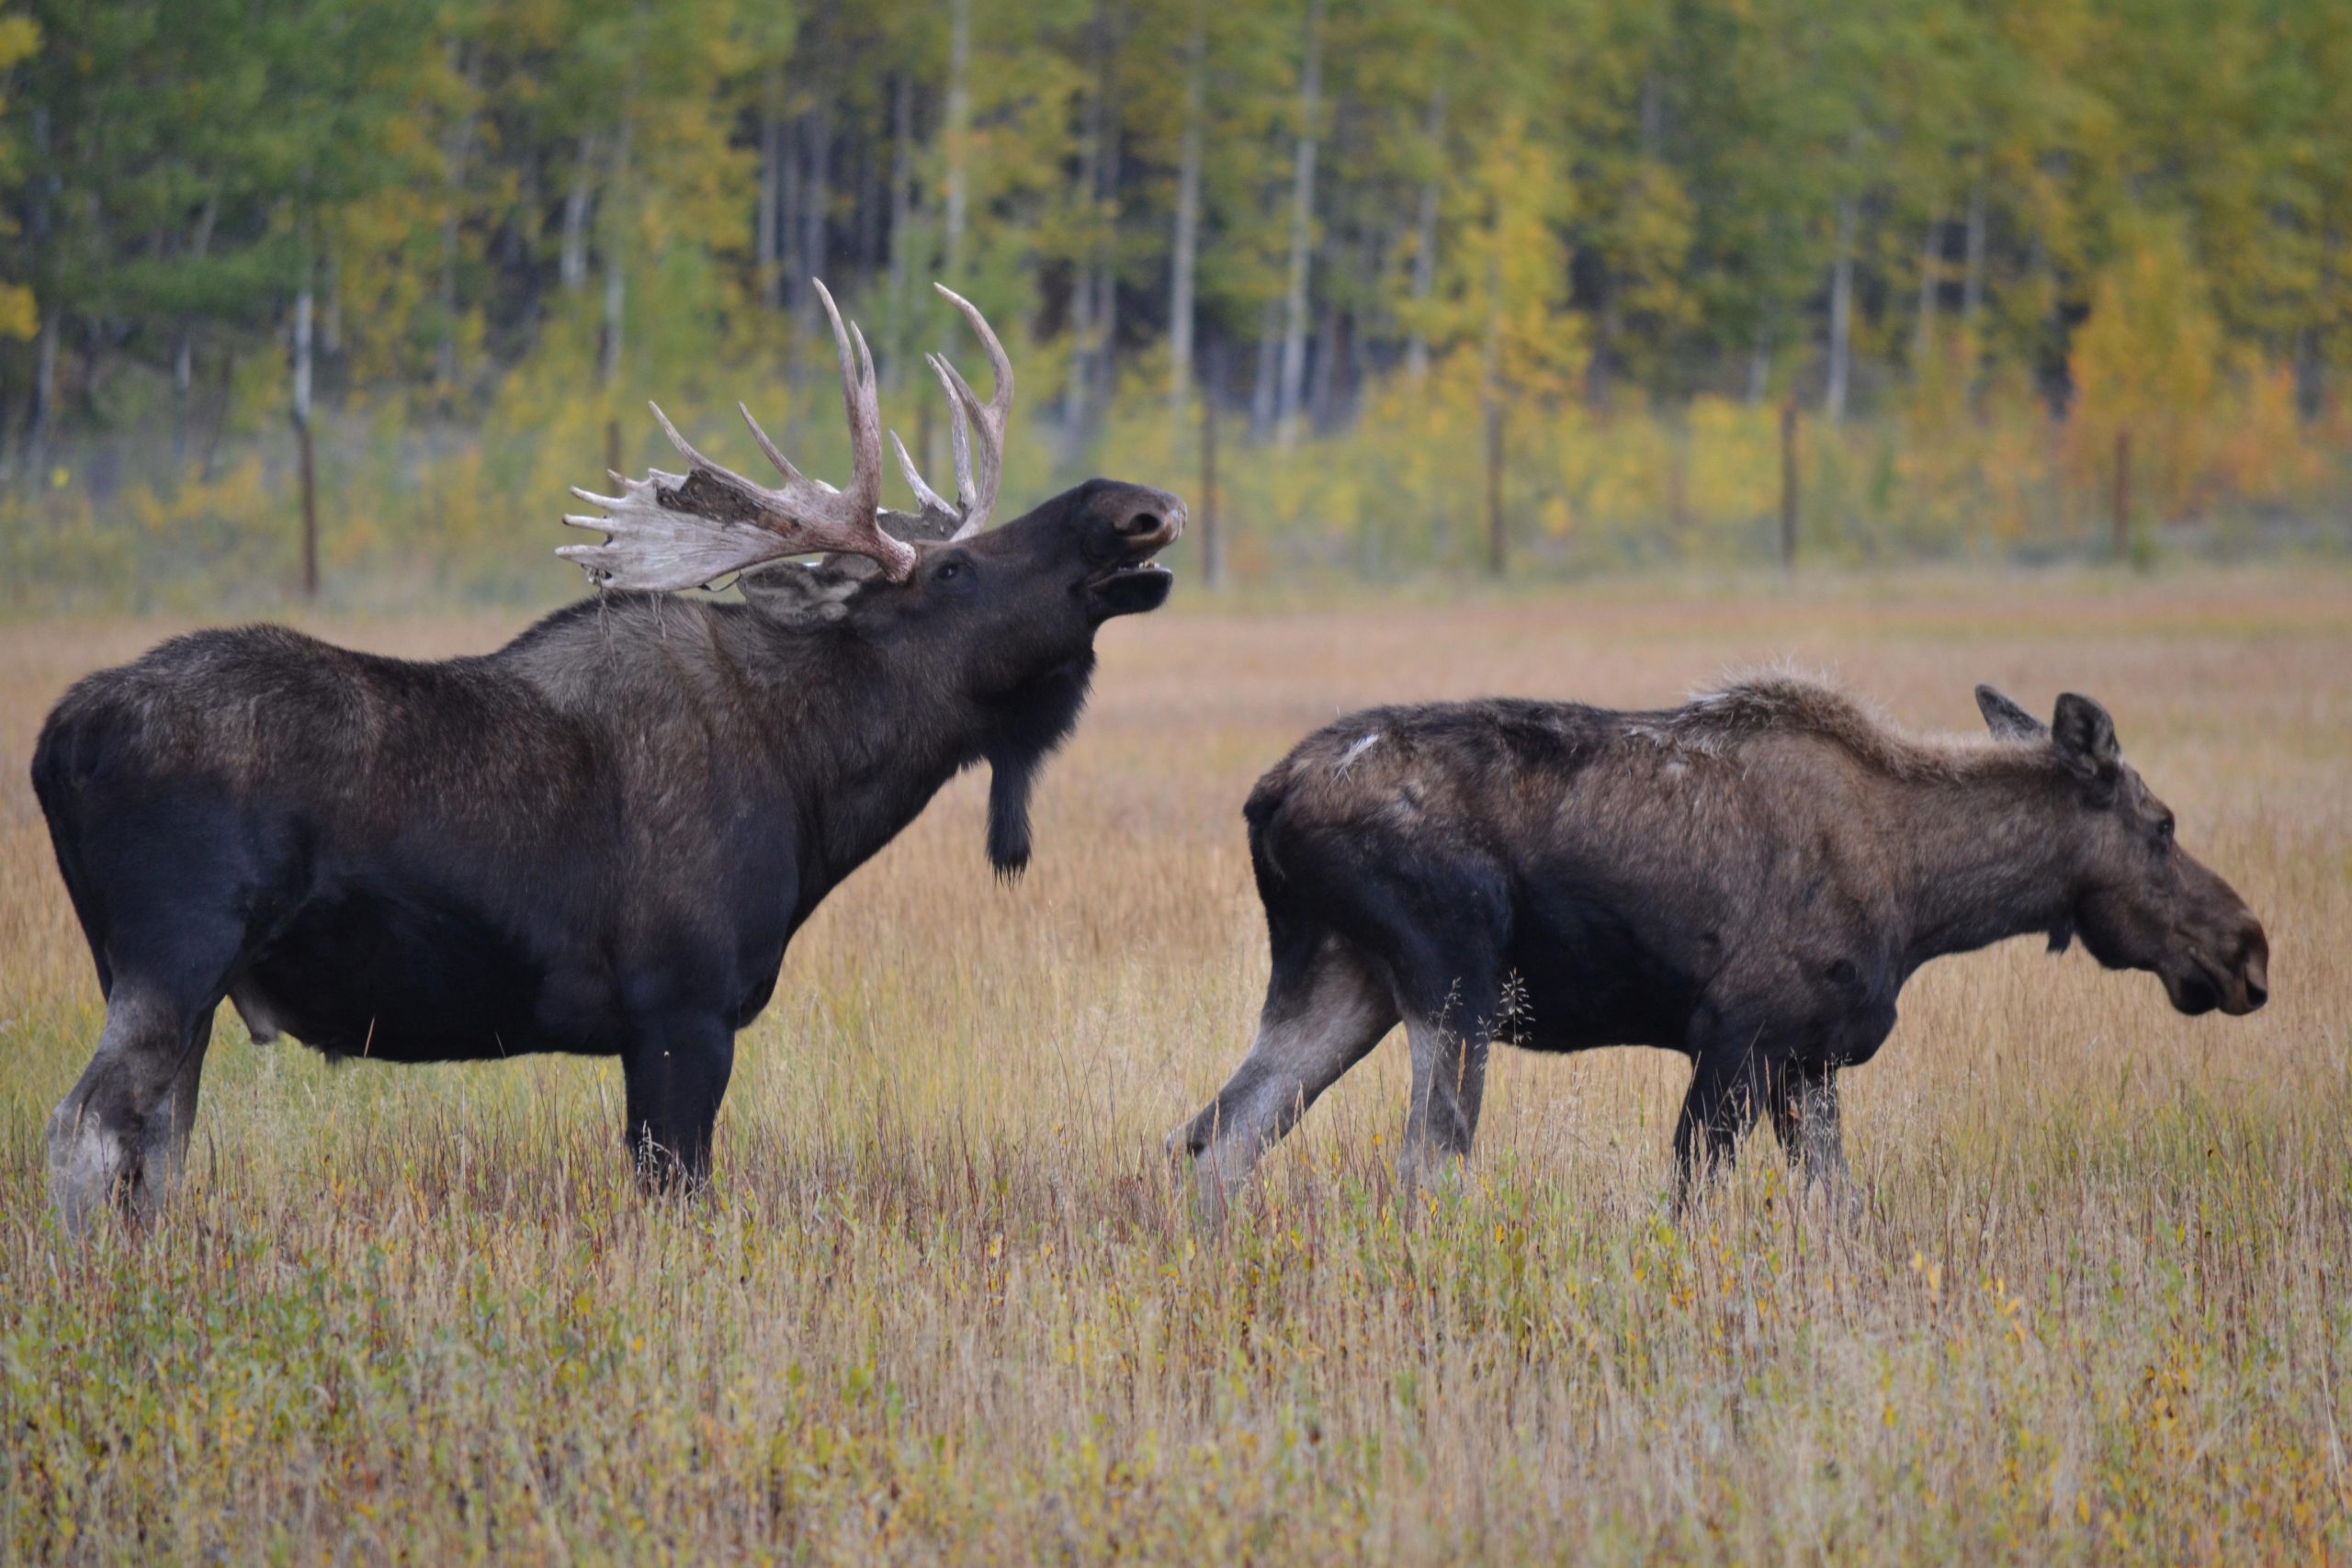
(1142,523)
(2257,993)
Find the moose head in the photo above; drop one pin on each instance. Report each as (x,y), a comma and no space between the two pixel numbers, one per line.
(2140,901)
(1049,576)
(1001,620)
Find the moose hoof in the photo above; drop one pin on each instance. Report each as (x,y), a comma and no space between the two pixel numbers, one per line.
(91,1169)
(1195,1172)
(1182,1151)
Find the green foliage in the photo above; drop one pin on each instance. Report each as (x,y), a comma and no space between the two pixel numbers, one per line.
(518,219)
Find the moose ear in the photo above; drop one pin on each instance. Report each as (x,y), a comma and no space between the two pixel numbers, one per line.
(2005,719)
(2085,737)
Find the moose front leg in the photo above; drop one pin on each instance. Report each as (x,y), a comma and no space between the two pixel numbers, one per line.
(1726,1091)
(677,1075)
(1802,1099)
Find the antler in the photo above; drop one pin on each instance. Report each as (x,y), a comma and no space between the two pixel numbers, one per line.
(668,532)
(976,425)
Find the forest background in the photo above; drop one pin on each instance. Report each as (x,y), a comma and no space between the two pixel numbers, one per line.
(1558,284)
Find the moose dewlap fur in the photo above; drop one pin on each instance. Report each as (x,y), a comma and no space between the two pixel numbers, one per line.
(598,839)
(1749,879)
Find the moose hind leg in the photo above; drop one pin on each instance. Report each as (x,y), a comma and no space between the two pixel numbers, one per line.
(1451,1043)
(676,1076)
(119,1138)
(1324,1012)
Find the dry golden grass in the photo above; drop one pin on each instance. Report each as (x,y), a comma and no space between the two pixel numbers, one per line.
(942,1306)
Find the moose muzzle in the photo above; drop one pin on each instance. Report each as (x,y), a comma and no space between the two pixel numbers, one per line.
(2233,974)
(1143,522)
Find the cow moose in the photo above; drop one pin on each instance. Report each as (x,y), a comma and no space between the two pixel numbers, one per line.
(1748,879)
(599,839)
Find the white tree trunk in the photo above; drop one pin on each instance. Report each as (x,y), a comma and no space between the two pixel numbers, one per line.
(457,154)
(958,133)
(1971,292)
(1841,312)
(302,433)
(571,265)
(444,358)
(1302,233)
(1085,290)
(769,219)
(1417,347)
(816,209)
(615,267)
(1923,342)
(1262,393)
(1106,266)
(44,396)
(302,351)
(902,223)
(1188,217)
(184,352)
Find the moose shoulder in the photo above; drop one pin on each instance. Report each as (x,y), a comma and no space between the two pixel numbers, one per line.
(598,839)
(1749,879)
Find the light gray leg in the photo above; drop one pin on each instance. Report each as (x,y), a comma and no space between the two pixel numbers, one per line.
(120,1136)
(163,1146)
(1449,1086)
(1803,1102)
(1315,1026)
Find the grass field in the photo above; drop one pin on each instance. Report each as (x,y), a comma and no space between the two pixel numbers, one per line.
(942,1304)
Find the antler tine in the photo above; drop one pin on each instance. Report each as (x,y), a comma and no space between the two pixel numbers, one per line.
(988,419)
(999,364)
(861,401)
(667,531)
(930,499)
(775,455)
(696,459)
(959,427)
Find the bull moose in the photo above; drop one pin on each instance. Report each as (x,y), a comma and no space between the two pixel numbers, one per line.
(1748,879)
(598,839)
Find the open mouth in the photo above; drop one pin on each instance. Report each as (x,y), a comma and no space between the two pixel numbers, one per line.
(1135,582)
(1129,588)
(1139,567)
(1146,567)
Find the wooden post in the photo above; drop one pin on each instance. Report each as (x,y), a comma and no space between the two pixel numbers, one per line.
(1498,541)
(1678,481)
(309,510)
(1789,484)
(2122,519)
(1212,535)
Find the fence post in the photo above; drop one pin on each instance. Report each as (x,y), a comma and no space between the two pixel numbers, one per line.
(1789,484)
(310,475)
(1212,535)
(1498,544)
(2122,520)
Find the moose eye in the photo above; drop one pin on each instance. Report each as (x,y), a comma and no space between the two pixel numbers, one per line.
(2164,831)
(949,572)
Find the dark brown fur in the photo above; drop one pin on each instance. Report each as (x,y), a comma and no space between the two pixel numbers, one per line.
(598,839)
(1749,878)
